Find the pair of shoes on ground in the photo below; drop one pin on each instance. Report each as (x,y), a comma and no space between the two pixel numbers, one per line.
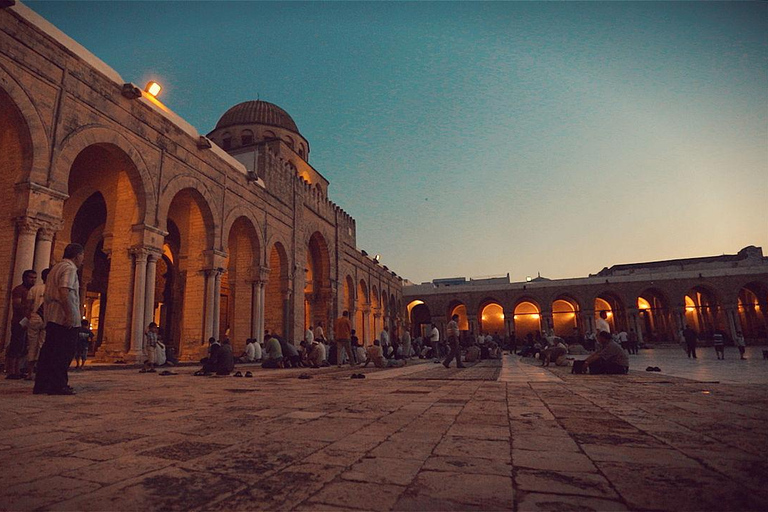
(357,376)
(240,374)
(305,376)
(653,369)
(166,372)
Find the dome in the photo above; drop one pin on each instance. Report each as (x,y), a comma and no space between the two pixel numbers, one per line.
(257,112)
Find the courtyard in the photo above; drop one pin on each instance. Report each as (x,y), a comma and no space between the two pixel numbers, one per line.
(501,435)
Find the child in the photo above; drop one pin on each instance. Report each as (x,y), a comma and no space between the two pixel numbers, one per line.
(84,337)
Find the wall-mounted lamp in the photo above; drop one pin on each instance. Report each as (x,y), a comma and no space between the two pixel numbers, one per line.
(153,88)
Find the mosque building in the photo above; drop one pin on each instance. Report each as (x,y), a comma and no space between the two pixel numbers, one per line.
(233,233)
(227,234)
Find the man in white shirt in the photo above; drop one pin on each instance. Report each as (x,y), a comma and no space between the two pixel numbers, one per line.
(601,323)
(384,340)
(434,341)
(62,316)
(309,336)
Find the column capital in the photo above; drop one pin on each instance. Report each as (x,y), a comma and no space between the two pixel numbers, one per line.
(139,252)
(28,225)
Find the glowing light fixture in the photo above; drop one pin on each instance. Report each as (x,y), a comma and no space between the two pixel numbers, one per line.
(153,88)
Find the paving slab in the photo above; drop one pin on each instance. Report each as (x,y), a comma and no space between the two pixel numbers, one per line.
(533,439)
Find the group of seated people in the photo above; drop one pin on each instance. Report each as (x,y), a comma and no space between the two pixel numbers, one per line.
(609,356)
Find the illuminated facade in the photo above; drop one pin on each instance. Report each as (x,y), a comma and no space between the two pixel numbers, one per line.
(231,233)
(656,299)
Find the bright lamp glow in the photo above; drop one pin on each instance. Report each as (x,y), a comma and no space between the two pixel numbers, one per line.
(153,88)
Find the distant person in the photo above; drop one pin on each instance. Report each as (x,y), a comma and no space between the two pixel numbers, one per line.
(623,339)
(36,325)
(434,341)
(633,342)
(691,339)
(84,338)
(718,340)
(309,335)
(150,343)
(741,344)
(610,359)
(249,354)
(319,334)
(225,361)
(601,323)
(452,332)
(342,329)
(406,343)
(273,354)
(291,357)
(17,348)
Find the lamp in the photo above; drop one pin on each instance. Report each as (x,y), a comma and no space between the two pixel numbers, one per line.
(153,88)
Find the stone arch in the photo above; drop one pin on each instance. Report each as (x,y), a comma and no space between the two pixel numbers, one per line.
(277,290)
(565,315)
(703,310)
(527,317)
(235,214)
(237,291)
(14,95)
(419,317)
(318,295)
(203,197)
(491,316)
(457,307)
(96,135)
(752,310)
(654,315)
(363,312)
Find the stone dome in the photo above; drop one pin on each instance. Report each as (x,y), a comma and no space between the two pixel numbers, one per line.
(257,112)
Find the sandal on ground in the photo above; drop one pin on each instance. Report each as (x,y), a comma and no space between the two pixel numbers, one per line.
(248,374)
(238,374)
(305,376)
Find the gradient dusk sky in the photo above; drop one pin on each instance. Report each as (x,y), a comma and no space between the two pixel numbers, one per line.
(475,139)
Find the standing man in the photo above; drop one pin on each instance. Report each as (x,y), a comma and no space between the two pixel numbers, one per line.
(342,330)
(384,342)
(17,348)
(689,335)
(309,336)
(434,341)
(406,343)
(62,316)
(36,326)
(452,333)
(740,344)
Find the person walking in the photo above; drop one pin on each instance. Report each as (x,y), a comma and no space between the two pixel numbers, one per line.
(342,330)
(452,333)
(61,311)
(718,340)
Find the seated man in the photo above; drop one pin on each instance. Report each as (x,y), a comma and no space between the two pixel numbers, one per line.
(472,354)
(315,354)
(273,354)
(556,353)
(610,359)
(291,357)
(249,356)
(376,356)
(225,360)
(210,362)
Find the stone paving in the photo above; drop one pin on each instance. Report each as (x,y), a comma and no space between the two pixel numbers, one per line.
(535,439)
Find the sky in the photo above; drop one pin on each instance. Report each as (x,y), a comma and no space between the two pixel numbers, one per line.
(480,139)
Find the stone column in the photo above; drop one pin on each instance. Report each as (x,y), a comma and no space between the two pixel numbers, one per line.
(43,251)
(149,298)
(367,338)
(210,285)
(217,302)
(679,317)
(547,322)
(137,317)
(589,320)
(473,325)
(25,248)
(731,315)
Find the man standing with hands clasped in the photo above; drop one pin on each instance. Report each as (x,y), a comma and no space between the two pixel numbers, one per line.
(61,311)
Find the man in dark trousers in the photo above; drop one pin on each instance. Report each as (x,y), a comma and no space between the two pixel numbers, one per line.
(61,311)
(17,348)
(689,335)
